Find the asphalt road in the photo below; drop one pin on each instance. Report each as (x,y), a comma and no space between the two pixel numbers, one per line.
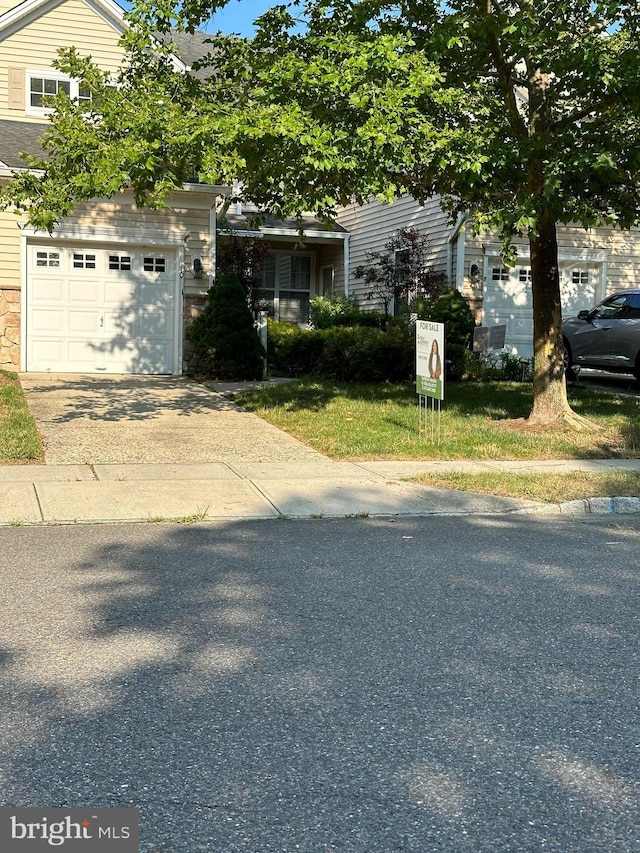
(433,684)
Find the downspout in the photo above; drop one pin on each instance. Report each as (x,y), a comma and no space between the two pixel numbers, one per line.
(345,260)
(213,236)
(458,231)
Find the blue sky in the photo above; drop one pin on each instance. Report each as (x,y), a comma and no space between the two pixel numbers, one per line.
(236,17)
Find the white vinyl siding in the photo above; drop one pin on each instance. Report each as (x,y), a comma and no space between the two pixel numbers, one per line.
(372,225)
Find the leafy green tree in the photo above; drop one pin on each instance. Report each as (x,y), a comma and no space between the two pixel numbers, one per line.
(224,334)
(526,113)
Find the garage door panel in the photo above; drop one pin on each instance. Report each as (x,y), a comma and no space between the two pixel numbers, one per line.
(48,352)
(48,290)
(109,315)
(48,320)
(83,322)
(121,324)
(122,292)
(84,353)
(160,294)
(85,291)
(152,360)
(155,324)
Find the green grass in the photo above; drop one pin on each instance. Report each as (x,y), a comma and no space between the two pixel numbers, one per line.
(19,439)
(359,422)
(548,488)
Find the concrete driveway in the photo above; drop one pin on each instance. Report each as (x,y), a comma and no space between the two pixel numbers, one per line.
(128,419)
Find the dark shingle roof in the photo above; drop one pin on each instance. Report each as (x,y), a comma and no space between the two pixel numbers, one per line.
(17,136)
(191,46)
(256,221)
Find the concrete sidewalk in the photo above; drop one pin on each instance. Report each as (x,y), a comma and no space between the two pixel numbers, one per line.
(141,448)
(82,493)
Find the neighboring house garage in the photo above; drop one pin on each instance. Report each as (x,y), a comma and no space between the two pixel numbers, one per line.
(101,308)
(109,289)
(508,297)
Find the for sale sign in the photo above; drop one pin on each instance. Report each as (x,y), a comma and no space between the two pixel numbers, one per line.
(430,359)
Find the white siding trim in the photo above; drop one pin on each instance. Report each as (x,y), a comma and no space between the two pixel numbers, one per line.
(568,254)
(346,260)
(458,229)
(87,233)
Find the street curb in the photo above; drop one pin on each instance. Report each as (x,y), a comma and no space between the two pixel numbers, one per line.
(587,506)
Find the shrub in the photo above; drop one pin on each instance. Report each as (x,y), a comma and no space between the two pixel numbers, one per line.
(401,270)
(224,335)
(292,351)
(351,354)
(326,312)
(498,367)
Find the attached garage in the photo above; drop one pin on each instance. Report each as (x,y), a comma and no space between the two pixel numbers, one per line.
(508,298)
(101,308)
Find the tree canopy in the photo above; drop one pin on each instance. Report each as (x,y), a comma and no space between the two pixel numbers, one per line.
(526,114)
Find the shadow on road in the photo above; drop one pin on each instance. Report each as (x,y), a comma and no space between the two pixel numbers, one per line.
(355,685)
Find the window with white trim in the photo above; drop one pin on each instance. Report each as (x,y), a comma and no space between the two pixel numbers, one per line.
(44,84)
(499,274)
(153,264)
(47,259)
(327,275)
(580,277)
(524,275)
(84,261)
(120,262)
(286,287)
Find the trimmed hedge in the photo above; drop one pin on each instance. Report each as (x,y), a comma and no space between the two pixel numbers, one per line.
(326,312)
(342,353)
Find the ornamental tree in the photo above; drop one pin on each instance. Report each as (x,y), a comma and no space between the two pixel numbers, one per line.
(525,114)
(402,272)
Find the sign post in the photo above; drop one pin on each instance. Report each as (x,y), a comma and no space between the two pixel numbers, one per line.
(429,373)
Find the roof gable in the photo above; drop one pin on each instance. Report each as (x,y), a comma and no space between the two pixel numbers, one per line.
(29,11)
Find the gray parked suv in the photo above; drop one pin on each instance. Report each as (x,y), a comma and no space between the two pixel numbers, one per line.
(607,337)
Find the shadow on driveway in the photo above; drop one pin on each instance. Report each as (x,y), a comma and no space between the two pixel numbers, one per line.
(131,419)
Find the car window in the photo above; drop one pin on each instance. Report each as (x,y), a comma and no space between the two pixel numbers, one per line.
(632,308)
(610,309)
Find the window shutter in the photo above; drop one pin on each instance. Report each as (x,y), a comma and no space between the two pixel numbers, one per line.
(16,89)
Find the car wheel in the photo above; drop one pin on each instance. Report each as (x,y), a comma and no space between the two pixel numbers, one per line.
(636,369)
(567,361)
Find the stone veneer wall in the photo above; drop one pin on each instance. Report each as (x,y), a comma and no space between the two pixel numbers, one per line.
(9,328)
(194,305)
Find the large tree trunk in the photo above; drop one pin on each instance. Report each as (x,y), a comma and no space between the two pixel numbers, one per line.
(550,404)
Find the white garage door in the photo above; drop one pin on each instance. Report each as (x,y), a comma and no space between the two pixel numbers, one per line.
(100,309)
(508,299)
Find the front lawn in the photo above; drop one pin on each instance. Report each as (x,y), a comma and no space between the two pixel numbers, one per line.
(380,421)
(547,487)
(19,439)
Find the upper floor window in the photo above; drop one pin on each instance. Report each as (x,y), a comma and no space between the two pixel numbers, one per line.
(44,84)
